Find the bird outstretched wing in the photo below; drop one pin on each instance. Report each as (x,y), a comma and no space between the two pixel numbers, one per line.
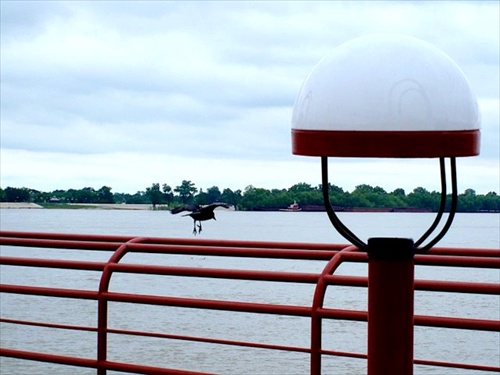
(198,208)
(187,207)
(213,206)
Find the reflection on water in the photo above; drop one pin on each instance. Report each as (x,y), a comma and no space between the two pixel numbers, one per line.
(469,230)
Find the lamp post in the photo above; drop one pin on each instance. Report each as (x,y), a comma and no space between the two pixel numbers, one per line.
(388,96)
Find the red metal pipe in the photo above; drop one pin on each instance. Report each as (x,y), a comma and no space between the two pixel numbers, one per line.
(174,241)
(92,363)
(49,325)
(465,366)
(49,292)
(59,243)
(390,306)
(318,299)
(458,261)
(457,287)
(211,340)
(46,357)
(458,323)
(209,304)
(219,273)
(102,306)
(478,252)
(53,263)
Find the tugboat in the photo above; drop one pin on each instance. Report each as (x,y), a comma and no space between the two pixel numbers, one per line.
(294,207)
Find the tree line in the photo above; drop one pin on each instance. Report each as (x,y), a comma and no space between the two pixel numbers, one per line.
(253,198)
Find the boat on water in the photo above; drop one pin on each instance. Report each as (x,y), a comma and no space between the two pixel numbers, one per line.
(294,207)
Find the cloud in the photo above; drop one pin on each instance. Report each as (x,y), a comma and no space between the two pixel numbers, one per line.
(205,89)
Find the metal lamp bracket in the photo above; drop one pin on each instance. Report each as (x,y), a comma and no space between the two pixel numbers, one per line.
(351,237)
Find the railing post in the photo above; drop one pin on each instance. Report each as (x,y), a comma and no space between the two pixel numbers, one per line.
(390,306)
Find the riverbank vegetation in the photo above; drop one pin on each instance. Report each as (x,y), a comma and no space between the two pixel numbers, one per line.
(363,197)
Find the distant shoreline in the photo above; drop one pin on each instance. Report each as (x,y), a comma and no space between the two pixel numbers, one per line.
(138,207)
(90,206)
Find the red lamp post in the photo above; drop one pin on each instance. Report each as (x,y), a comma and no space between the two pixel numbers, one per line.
(388,96)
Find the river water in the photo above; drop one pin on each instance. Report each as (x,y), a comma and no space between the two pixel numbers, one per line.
(468,230)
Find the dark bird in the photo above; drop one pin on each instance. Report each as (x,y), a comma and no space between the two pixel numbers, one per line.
(199,213)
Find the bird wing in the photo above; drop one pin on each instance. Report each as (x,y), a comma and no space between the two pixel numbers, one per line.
(188,207)
(213,206)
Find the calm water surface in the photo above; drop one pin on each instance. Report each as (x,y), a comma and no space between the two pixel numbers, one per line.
(468,230)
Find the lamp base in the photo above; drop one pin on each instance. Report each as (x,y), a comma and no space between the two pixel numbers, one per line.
(390,306)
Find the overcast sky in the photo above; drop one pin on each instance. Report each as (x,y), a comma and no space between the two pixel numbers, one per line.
(125,94)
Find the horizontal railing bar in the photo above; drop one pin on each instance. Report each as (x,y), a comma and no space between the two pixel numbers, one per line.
(148,370)
(457,261)
(92,363)
(495,253)
(426,260)
(457,323)
(208,304)
(337,353)
(51,358)
(339,280)
(454,251)
(176,241)
(222,273)
(67,236)
(298,277)
(341,314)
(53,263)
(60,244)
(457,287)
(304,254)
(131,368)
(49,292)
(465,366)
(419,320)
(488,258)
(210,340)
(298,253)
(422,285)
(48,325)
(249,307)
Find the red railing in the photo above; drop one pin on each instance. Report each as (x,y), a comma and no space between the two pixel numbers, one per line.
(317,313)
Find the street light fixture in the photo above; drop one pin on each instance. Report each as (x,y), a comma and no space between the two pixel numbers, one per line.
(388,96)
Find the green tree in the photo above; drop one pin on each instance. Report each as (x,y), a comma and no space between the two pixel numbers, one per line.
(186,191)
(213,194)
(422,198)
(86,195)
(154,194)
(399,192)
(490,202)
(256,198)
(104,195)
(13,194)
(167,193)
(363,196)
(304,194)
(338,197)
(201,198)
(231,197)
(468,201)
(139,197)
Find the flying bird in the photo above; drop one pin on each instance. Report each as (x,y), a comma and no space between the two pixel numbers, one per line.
(199,213)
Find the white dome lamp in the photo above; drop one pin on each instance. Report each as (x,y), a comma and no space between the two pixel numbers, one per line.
(387,96)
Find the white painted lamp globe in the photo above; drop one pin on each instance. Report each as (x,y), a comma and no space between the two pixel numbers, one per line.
(386,96)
